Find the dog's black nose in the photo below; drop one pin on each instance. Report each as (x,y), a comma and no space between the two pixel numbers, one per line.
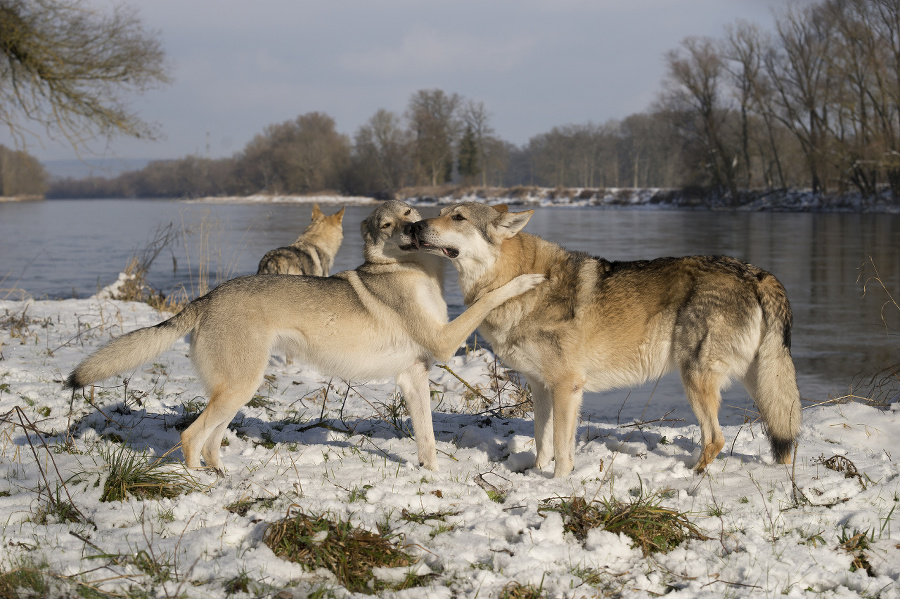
(414,228)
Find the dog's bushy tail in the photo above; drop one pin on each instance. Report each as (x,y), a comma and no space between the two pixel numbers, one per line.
(135,348)
(775,379)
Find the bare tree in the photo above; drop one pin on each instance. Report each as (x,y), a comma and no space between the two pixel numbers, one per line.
(69,69)
(854,61)
(588,145)
(382,147)
(694,90)
(583,155)
(885,21)
(865,101)
(435,125)
(742,50)
(649,151)
(803,83)
(496,161)
(550,156)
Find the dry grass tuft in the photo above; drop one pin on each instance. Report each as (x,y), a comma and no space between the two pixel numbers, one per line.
(349,553)
(651,526)
(136,289)
(19,325)
(23,582)
(133,474)
(423,517)
(857,545)
(514,590)
(57,510)
(25,579)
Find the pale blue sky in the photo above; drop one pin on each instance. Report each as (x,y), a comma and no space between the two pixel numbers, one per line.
(239,66)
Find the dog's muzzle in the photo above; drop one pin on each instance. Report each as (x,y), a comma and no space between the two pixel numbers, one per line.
(415,230)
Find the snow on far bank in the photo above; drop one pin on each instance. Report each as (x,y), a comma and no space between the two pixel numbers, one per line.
(287,199)
(662,198)
(772,530)
(610,197)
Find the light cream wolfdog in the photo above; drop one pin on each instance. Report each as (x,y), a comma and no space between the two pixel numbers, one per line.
(386,318)
(312,253)
(598,325)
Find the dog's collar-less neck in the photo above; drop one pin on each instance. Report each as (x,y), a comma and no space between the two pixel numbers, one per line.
(477,283)
(478,277)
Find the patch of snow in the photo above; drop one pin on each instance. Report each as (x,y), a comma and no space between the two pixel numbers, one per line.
(772,529)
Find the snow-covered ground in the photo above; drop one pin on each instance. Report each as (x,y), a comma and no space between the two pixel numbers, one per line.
(772,530)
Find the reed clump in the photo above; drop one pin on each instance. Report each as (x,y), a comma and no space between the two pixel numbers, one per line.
(134,286)
(350,553)
(653,527)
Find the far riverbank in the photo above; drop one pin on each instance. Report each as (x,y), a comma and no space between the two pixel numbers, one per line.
(610,197)
(602,197)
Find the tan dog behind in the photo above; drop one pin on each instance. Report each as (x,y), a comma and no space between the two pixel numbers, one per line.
(598,325)
(386,318)
(312,253)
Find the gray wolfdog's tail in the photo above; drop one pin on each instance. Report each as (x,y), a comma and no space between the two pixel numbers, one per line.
(134,348)
(772,374)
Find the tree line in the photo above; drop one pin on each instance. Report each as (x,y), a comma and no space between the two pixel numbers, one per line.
(813,103)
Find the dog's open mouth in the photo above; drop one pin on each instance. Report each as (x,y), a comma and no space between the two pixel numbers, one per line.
(417,244)
(449,252)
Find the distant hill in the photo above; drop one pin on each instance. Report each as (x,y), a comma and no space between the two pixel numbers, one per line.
(94,167)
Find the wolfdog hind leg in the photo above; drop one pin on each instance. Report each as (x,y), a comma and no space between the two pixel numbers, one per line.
(204,436)
(566,407)
(703,390)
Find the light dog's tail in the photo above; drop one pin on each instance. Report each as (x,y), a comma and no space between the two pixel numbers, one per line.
(773,374)
(134,348)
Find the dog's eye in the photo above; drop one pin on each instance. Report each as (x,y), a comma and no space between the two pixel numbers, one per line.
(407,212)
(386,226)
(458,217)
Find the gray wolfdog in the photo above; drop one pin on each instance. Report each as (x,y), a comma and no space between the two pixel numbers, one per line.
(386,318)
(312,253)
(597,325)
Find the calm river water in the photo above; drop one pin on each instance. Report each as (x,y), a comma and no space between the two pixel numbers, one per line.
(844,330)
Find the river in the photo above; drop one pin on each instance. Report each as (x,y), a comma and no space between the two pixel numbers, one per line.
(845,326)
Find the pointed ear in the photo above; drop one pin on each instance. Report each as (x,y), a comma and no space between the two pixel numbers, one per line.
(500,207)
(316,212)
(338,216)
(507,224)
